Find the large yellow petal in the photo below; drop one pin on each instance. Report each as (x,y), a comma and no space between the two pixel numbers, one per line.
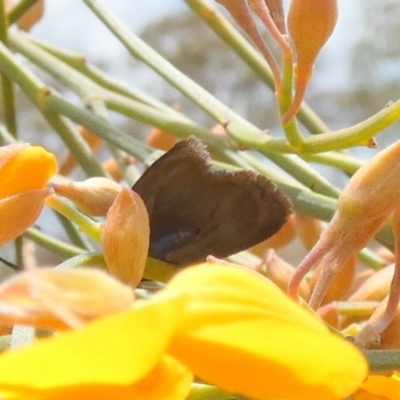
(244,335)
(29,169)
(111,353)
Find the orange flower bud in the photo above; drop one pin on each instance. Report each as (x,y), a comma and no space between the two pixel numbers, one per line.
(361,277)
(60,299)
(94,196)
(160,139)
(280,272)
(365,204)
(308,229)
(112,167)
(94,141)
(281,238)
(125,237)
(310,24)
(376,288)
(32,16)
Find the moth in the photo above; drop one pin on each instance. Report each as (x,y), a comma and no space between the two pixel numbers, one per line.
(198,210)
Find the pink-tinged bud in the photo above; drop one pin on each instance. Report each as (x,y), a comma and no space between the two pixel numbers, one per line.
(366,203)
(341,284)
(372,192)
(310,24)
(61,299)
(280,272)
(308,229)
(275,8)
(125,237)
(94,196)
(19,212)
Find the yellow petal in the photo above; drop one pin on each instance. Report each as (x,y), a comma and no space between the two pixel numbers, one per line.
(379,387)
(244,335)
(19,212)
(29,169)
(111,353)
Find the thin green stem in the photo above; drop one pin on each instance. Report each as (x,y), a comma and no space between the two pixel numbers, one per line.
(74,233)
(85,224)
(7,90)
(20,9)
(292,164)
(357,135)
(143,52)
(345,162)
(56,246)
(84,260)
(79,63)
(383,360)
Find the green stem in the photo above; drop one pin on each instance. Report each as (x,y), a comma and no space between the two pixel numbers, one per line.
(383,360)
(357,135)
(7,90)
(58,247)
(20,9)
(345,162)
(79,63)
(84,260)
(285,98)
(143,52)
(85,224)
(74,234)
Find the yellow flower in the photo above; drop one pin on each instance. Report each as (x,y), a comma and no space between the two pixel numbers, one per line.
(241,333)
(227,325)
(24,173)
(120,357)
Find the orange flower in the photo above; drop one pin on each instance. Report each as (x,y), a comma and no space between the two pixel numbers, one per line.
(24,173)
(379,387)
